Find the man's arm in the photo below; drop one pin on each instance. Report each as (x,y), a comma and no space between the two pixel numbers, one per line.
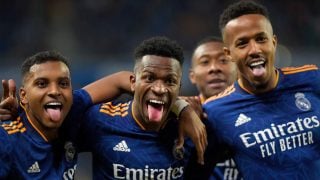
(190,125)
(109,87)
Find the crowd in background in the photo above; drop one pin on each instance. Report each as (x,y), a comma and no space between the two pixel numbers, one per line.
(99,36)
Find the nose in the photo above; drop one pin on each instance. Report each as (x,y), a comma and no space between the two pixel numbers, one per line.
(254,48)
(214,66)
(54,90)
(159,88)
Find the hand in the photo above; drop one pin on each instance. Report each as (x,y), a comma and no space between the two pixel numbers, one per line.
(195,103)
(191,125)
(9,103)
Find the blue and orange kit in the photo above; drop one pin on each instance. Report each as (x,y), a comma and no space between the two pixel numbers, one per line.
(123,149)
(26,154)
(275,135)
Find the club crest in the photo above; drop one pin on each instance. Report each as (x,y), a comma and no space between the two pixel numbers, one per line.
(70,151)
(302,102)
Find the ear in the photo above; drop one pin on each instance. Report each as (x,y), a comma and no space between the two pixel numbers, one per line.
(22,94)
(275,41)
(133,82)
(227,53)
(191,76)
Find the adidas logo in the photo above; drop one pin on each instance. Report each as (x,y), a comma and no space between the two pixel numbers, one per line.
(34,168)
(121,146)
(242,119)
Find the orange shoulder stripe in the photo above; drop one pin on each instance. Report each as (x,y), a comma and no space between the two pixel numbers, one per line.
(14,127)
(226,92)
(120,109)
(292,70)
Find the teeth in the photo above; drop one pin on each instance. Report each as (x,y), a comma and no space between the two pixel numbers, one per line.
(257,63)
(54,104)
(156,101)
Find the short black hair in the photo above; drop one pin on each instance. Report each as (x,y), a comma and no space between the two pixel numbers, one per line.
(240,8)
(159,46)
(208,39)
(42,57)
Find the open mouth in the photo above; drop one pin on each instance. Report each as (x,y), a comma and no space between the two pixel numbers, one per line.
(216,83)
(258,67)
(155,110)
(54,110)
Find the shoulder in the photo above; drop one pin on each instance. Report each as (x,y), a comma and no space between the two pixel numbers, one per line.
(229,90)
(115,108)
(299,69)
(81,101)
(307,75)
(81,95)
(301,72)
(9,128)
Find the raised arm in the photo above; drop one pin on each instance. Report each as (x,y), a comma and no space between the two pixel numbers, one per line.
(109,87)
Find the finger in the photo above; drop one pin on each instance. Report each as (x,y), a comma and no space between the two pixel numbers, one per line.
(5,87)
(200,152)
(204,139)
(12,88)
(5,117)
(204,144)
(8,103)
(5,114)
(4,111)
(180,140)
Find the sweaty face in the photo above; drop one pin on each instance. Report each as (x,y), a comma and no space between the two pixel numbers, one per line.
(156,86)
(47,94)
(211,71)
(252,45)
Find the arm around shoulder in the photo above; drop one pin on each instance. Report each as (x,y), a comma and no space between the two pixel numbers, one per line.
(109,86)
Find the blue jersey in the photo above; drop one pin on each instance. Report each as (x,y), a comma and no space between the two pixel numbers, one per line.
(121,149)
(224,170)
(25,153)
(275,135)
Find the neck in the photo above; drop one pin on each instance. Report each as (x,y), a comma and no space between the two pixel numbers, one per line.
(47,134)
(259,89)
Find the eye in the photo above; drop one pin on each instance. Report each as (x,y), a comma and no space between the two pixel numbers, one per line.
(204,61)
(171,81)
(41,83)
(223,61)
(261,39)
(64,83)
(149,78)
(241,44)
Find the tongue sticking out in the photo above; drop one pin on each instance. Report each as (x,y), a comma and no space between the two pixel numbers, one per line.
(55,114)
(258,70)
(155,113)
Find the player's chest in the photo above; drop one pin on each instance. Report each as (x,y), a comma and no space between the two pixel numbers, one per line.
(274,127)
(136,158)
(37,160)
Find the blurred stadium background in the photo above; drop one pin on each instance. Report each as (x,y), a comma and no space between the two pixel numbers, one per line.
(99,35)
